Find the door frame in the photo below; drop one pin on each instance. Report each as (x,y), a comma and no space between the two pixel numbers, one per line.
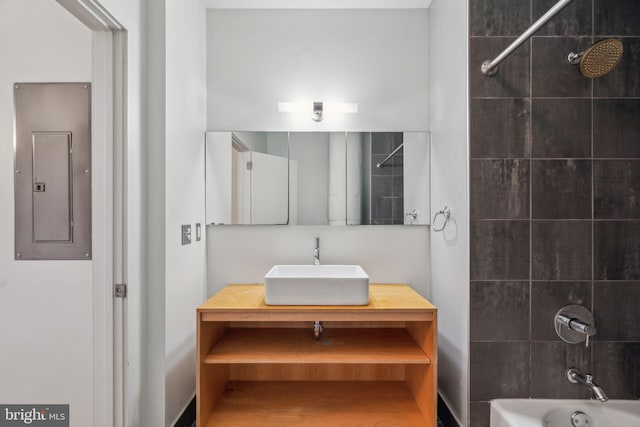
(109,219)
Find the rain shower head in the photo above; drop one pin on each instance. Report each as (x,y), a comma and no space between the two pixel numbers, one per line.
(599,59)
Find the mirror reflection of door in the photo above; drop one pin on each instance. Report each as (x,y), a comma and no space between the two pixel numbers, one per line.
(247,177)
(269,189)
(235,158)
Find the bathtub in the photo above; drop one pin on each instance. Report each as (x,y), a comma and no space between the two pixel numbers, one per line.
(559,413)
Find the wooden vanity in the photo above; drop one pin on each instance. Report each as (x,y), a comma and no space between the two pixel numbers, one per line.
(373,365)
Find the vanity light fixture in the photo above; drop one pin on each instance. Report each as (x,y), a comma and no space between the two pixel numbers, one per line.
(287,107)
(317,112)
(347,107)
(319,108)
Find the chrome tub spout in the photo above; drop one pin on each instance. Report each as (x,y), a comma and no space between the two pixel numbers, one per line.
(575,376)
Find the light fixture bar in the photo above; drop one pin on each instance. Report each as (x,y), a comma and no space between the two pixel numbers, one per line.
(347,107)
(287,107)
(318,108)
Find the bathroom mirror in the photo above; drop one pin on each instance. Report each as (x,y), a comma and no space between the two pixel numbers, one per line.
(317,178)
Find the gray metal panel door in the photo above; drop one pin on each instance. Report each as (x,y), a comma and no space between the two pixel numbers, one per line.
(52,170)
(52,196)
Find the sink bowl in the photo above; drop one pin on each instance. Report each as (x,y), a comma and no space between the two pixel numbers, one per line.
(316,285)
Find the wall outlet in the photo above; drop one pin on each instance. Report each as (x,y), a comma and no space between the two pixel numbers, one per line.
(186,234)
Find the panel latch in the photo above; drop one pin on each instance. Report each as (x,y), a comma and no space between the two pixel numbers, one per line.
(120,290)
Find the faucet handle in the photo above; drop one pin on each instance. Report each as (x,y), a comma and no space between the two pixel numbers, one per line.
(574,324)
(316,252)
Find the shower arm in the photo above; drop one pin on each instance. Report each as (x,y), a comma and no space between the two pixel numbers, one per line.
(393,153)
(489,68)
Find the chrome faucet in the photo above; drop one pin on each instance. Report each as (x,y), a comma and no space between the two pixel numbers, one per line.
(574,323)
(316,252)
(575,376)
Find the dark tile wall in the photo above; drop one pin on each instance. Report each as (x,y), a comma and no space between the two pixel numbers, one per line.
(387,199)
(554,201)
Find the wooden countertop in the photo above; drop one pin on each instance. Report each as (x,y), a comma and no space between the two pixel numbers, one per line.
(386,302)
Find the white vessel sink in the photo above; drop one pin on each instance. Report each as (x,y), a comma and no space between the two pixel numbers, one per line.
(316,285)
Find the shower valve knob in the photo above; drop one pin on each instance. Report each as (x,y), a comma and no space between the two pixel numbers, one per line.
(574,324)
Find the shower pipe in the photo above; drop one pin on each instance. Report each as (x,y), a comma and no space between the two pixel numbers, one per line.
(390,156)
(489,68)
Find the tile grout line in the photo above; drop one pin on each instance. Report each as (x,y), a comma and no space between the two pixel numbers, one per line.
(531,150)
(530,135)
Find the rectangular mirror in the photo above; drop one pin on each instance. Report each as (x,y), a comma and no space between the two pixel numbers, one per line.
(317,178)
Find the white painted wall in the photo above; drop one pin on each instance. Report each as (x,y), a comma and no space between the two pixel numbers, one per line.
(45,306)
(175,185)
(390,254)
(185,266)
(154,391)
(376,58)
(448,109)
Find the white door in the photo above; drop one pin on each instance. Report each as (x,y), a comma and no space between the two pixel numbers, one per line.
(269,189)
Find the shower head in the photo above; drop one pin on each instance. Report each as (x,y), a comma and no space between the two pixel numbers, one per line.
(599,59)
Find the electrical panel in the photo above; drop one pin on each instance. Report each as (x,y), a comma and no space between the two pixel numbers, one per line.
(52,171)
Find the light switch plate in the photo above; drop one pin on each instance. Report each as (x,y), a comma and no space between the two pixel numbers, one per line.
(186,234)
(198,232)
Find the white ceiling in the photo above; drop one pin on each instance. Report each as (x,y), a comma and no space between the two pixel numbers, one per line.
(317,4)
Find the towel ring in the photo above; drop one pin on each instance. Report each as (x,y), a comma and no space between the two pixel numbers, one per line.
(446,213)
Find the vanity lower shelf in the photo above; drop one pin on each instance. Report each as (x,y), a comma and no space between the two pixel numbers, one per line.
(316,404)
(296,345)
